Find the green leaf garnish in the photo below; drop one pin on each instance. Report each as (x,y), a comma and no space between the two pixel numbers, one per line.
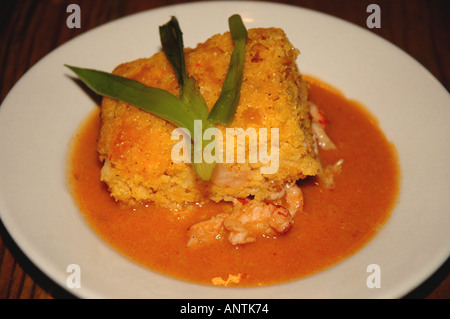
(190,106)
(225,107)
(173,46)
(172,43)
(154,100)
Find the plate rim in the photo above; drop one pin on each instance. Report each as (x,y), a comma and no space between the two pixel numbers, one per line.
(7,223)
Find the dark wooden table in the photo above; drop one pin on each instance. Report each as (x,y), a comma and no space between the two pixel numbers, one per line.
(30,29)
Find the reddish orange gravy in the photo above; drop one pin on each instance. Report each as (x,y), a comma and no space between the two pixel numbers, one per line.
(334,224)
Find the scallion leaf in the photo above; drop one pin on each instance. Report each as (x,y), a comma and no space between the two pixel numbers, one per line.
(172,42)
(154,100)
(225,107)
(173,46)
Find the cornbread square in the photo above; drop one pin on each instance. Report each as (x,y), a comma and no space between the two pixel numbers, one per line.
(135,146)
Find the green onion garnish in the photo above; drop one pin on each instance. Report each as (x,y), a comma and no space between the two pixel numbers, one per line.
(225,107)
(190,106)
(154,100)
(172,43)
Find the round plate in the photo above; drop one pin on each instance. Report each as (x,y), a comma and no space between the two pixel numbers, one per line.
(42,112)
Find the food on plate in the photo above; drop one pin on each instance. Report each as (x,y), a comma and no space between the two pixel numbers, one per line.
(270,143)
(136,146)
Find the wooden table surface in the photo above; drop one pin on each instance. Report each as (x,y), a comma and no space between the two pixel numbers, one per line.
(30,29)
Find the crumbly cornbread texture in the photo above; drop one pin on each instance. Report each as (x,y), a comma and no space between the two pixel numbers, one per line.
(135,146)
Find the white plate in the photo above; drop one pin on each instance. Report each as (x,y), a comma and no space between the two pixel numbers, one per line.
(42,112)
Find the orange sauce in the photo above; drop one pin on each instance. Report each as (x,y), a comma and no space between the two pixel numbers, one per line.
(333,225)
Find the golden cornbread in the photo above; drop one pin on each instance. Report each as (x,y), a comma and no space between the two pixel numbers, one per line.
(135,146)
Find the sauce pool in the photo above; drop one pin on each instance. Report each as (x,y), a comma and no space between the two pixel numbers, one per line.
(333,225)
